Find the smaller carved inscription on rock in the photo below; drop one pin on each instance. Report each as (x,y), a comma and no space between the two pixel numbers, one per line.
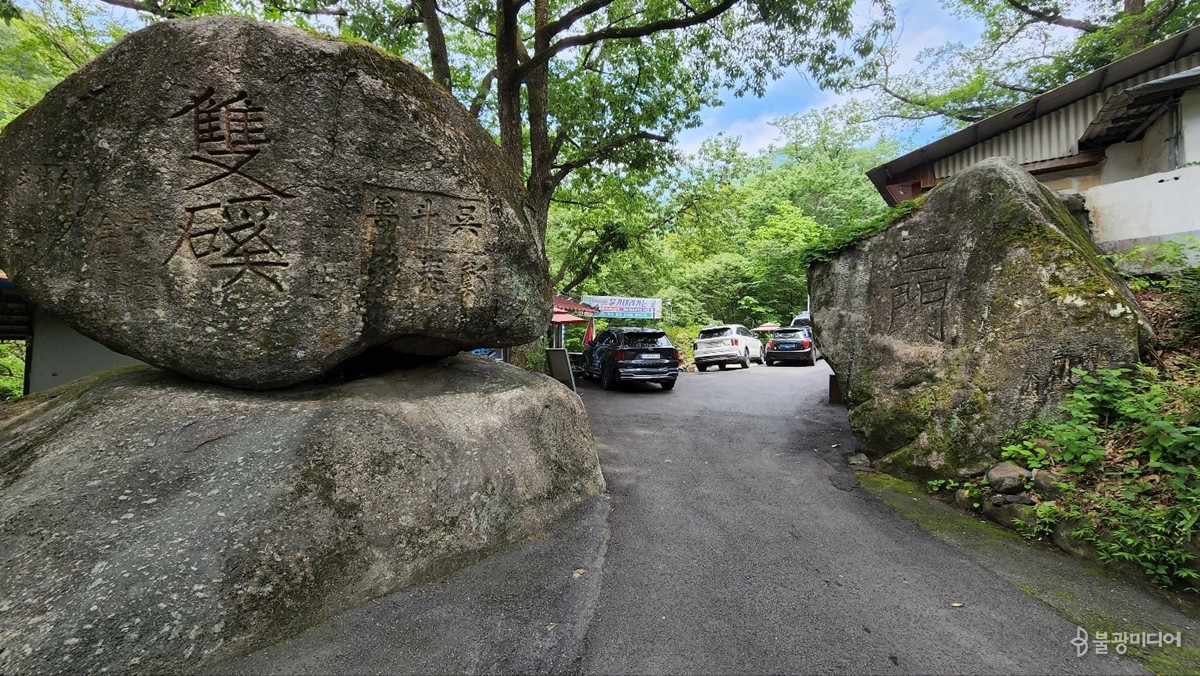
(445,236)
(921,290)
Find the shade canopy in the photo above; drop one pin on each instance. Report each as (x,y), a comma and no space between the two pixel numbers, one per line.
(769,326)
(565,318)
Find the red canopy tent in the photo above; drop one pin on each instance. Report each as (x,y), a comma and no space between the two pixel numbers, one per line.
(565,318)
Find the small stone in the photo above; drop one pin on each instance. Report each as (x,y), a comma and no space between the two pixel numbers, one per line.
(1007,478)
(858,460)
(1045,484)
(1007,514)
(962,498)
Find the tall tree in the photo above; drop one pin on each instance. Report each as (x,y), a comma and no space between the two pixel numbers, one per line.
(1027,48)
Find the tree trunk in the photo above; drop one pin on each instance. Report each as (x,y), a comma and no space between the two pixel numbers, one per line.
(508,85)
(436,39)
(541,186)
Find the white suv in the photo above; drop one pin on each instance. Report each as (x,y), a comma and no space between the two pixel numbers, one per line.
(726,344)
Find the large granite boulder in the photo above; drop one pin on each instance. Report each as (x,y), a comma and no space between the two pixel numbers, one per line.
(150,523)
(966,318)
(252,204)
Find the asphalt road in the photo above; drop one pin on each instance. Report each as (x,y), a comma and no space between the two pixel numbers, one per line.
(740,542)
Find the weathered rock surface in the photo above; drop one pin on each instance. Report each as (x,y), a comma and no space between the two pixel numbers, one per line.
(154,524)
(966,318)
(1007,512)
(1007,478)
(248,203)
(1046,484)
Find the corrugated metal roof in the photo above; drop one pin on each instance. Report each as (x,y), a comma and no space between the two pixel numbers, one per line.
(1088,89)
(566,304)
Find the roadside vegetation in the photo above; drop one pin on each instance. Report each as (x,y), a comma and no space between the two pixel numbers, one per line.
(1125,449)
(12,369)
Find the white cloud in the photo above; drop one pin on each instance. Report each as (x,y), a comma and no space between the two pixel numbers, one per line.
(924,23)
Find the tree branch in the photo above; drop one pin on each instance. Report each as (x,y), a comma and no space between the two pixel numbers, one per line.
(562,170)
(481,94)
(566,20)
(1053,17)
(624,33)
(148,7)
(337,11)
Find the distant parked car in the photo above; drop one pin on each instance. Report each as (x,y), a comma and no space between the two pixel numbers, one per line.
(804,318)
(631,354)
(726,344)
(793,343)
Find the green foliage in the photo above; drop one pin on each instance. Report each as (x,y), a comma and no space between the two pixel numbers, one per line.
(12,370)
(1127,448)
(1046,514)
(9,11)
(1168,268)
(42,45)
(836,240)
(531,356)
(728,237)
(973,488)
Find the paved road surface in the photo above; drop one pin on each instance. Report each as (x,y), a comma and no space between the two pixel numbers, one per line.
(737,542)
(741,543)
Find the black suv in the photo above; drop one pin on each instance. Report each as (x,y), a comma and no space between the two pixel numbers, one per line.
(628,353)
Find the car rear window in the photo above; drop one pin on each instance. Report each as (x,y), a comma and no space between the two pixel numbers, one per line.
(716,333)
(647,340)
(789,335)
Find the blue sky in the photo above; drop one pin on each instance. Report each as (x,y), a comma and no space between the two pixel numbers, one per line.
(924,23)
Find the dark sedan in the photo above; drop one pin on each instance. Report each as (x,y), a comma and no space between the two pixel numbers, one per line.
(631,354)
(793,343)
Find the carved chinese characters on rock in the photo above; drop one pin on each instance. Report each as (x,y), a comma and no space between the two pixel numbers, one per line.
(229,226)
(445,234)
(918,297)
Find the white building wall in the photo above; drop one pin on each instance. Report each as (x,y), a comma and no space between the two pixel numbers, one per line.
(1189,122)
(60,354)
(1145,210)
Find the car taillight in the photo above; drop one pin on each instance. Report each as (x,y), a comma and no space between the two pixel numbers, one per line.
(695,346)
(806,344)
(770,344)
(620,355)
(734,342)
(675,355)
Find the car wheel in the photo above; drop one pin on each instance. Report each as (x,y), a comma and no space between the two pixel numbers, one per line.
(670,384)
(607,379)
(770,362)
(721,366)
(701,367)
(746,359)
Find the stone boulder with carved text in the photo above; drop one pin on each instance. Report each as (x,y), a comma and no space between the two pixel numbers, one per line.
(965,318)
(249,203)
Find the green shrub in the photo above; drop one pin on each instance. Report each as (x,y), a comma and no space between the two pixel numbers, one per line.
(1128,447)
(12,370)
